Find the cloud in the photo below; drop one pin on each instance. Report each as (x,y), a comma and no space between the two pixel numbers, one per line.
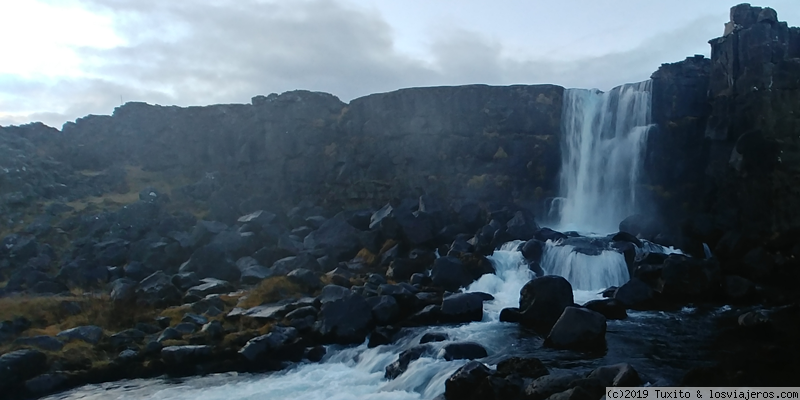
(204,52)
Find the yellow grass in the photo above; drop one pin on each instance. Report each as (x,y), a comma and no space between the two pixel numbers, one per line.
(271,290)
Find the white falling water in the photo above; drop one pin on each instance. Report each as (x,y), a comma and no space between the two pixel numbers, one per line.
(585,272)
(604,136)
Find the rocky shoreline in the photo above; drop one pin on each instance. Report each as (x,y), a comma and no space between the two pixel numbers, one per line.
(354,276)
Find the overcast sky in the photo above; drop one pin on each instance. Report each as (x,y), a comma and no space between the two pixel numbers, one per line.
(63,59)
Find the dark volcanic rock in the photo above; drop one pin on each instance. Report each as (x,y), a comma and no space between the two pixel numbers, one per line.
(543,300)
(466,383)
(157,289)
(450,274)
(578,328)
(19,366)
(89,334)
(463,351)
(610,308)
(346,320)
(335,238)
(462,307)
(400,365)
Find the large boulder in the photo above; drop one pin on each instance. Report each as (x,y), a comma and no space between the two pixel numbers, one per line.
(578,328)
(543,300)
(385,309)
(335,238)
(158,290)
(635,294)
(533,250)
(468,382)
(18,366)
(346,320)
(211,261)
(462,307)
(275,345)
(90,334)
(450,274)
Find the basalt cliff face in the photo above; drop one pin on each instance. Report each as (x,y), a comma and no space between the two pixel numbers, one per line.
(477,142)
(725,157)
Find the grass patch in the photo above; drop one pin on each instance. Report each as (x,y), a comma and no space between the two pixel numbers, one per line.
(271,290)
(52,314)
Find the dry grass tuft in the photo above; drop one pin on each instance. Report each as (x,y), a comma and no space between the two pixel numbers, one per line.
(271,290)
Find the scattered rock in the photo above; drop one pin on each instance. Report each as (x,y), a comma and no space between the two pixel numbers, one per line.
(543,300)
(466,383)
(90,334)
(463,351)
(578,328)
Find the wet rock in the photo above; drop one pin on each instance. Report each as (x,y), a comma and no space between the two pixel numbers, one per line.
(578,328)
(433,337)
(463,351)
(90,334)
(272,345)
(381,336)
(400,365)
(468,382)
(627,237)
(532,250)
(346,320)
(688,279)
(511,314)
(543,300)
(548,385)
(158,290)
(449,273)
(185,355)
(48,343)
(610,308)
(316,353)
(634,294)
(19,366)
(530,368)
(427,316)
(385,309)
(462,307)
(545,234)
(617,375)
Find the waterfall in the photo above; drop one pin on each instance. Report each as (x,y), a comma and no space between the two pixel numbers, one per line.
(604,137)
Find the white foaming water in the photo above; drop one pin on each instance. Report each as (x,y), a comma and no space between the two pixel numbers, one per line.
(585,272)
(355,372)
(604,139)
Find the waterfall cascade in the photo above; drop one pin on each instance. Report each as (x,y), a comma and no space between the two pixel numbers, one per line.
(604,137)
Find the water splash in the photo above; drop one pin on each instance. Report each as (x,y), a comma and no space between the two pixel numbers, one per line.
(585,272)
(604,137)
